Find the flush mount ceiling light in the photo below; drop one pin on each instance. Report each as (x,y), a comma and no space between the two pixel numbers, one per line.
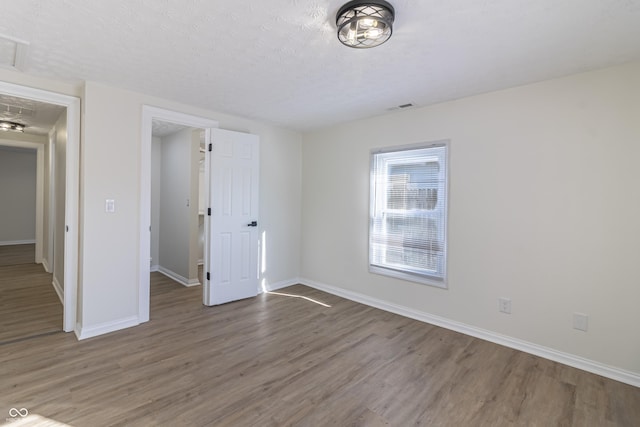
(363,24)
(6,126)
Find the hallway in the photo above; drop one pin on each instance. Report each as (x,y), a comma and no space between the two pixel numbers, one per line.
(29,305)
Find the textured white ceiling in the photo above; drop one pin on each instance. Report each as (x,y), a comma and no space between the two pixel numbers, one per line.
(160,128)
(39,117)
(280,61)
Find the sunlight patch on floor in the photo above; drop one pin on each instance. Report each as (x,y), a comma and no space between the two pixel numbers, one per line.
(299,296)
(31,420)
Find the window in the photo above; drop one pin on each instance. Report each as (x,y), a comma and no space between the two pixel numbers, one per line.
(408,219)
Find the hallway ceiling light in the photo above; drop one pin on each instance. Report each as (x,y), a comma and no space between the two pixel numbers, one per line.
(363,24)
(6,126)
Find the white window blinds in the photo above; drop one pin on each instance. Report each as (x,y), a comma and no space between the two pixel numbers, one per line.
(408,217)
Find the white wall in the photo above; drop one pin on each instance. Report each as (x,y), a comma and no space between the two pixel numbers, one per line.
(544,208)
(111,169)
(17,195)
(109,242)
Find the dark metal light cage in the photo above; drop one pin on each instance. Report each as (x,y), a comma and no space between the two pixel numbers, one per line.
(364,24)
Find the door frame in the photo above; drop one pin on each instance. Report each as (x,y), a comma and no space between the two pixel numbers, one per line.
(149,113)
(72,191)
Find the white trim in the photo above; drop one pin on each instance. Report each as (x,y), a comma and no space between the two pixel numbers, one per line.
(154,268)
(105,328)
(148,114)
(627,377)
(72,203)
(17,242)
(45,265)
(406,275)
(52,199)
(177,277)
(206,268)
(72,190)
(59,289)
(268,287)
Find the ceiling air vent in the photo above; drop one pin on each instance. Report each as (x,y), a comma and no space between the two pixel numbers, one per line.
(13,53)
(401,107)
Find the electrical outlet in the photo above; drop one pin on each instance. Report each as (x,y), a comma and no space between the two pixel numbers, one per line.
(504,305)
(580,321)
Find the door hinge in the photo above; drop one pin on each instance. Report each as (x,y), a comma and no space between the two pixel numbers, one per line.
(210,147)
(208,276)
(209,211)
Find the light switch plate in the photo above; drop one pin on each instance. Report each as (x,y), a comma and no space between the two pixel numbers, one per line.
(504,305)
(109,205)
(580,321)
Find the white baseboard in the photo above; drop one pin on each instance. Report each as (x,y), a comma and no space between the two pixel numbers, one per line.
(17,242)
(59,289)
(200,262)
(45,265)
(268,287)
(104,328)
(178,278)
(627,377)
(154,268)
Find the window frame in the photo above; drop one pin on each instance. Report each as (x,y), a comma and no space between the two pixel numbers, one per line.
(408,273)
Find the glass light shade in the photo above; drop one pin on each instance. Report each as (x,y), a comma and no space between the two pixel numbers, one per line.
(6,126)
(364,24)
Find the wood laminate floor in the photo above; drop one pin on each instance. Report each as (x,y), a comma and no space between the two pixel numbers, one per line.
(29,306)
(17,254)
(276,360)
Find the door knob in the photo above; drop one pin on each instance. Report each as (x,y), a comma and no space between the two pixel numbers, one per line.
(253,224)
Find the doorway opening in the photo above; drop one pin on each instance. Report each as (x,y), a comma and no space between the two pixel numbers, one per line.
(52,132)
(21,192)
(183,123)
(177,204)
(30,306)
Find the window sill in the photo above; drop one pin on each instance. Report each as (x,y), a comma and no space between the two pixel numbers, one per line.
(424,280)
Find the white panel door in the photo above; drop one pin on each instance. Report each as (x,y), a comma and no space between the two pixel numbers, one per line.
(233,222)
